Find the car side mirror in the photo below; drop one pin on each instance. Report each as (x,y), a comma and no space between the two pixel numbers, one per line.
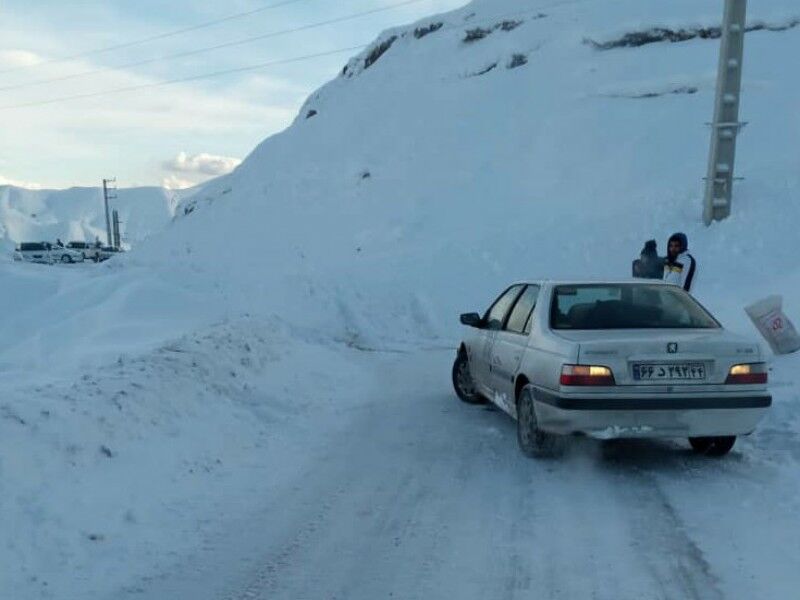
(472,320)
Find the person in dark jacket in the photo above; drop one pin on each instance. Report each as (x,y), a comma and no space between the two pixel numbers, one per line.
(680,267)
(649,265)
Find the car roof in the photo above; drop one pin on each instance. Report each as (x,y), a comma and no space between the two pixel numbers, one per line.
(621,281)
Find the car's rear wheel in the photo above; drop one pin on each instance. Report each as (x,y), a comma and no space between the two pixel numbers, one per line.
(66,258)
(463,382)
(533,442)
(713,446)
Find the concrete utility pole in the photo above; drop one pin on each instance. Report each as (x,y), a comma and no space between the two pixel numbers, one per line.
(106,198)
(726,126)
(115,227)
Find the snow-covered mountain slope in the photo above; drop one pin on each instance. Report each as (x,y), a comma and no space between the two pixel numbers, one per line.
(505,140)
(500,141)
(78,213)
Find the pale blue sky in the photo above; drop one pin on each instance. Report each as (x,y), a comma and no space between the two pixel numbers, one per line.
(139,136)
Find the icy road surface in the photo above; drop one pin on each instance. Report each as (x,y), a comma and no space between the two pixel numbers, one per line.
(412,494)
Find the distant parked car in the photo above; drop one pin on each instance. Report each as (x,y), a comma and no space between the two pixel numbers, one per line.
(89,251)
(37,252)
(46,253)
(611,360)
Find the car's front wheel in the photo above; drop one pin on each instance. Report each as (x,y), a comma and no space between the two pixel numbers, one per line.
(713,446)
(66,258)
(533,442)
(463,382)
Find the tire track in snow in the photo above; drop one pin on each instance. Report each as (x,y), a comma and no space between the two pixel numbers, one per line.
(417,496)
(677,564)
(268,575)
(327,559)
(450,516)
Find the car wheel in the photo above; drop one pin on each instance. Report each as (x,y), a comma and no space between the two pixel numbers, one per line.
(66,258)
(463,382)
(713,446)
(533,442)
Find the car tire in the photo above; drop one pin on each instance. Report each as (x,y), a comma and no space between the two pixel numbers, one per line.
(713,446)
(533,442)
(66,259)
(463,382)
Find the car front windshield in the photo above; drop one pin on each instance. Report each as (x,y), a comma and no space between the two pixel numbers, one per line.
(627,306)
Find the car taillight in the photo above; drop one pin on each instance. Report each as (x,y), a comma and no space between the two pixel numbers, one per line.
(750,373)
(586,375)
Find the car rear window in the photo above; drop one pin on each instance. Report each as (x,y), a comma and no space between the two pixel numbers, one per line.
(627,306)
(31,246)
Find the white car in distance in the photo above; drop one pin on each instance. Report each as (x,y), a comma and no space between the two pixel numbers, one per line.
(87,250)
(622,359)
(46,253)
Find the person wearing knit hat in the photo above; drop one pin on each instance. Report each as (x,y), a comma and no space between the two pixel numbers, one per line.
(649,265)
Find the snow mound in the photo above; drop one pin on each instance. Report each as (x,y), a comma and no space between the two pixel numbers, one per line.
(494,143)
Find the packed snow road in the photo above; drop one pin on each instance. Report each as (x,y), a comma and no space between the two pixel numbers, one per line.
(412,494)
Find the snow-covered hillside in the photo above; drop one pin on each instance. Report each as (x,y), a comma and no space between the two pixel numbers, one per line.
(78,213)
(508,139)
(440,158)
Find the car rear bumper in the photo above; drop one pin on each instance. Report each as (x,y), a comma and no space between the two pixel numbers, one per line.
(653,415)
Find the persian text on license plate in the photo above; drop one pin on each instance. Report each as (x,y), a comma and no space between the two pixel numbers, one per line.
(669,372)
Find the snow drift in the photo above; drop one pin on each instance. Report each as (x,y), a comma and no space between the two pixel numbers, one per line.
(497,142)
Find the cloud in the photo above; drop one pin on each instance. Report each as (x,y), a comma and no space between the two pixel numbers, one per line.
(186,170)
(203,163)
(23,184)
(18,58)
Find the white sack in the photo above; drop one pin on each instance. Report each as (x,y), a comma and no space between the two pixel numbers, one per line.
(768,317)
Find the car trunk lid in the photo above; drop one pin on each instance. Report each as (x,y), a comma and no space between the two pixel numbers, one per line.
(663,357)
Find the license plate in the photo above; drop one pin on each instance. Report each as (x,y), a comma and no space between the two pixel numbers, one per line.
(669,372)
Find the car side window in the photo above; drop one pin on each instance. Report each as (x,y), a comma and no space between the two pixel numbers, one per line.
(496,315)
(519,321)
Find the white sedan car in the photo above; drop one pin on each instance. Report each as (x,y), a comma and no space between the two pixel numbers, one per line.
(627,359)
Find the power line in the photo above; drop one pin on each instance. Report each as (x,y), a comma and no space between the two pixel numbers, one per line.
(269,63)
(160,36)
(197,51)
(192,78)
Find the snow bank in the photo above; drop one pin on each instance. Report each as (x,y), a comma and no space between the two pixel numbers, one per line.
(419,187)
(132,465)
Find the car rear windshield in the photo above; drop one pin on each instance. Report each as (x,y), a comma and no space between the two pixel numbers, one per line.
(31,246)
(627,306)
